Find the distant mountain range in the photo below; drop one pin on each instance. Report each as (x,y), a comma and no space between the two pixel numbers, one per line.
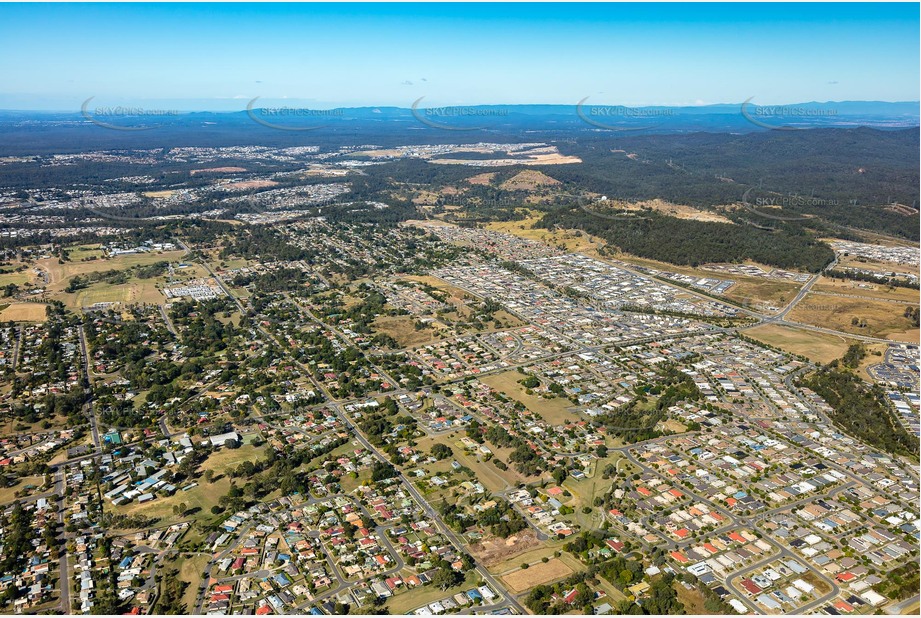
(589,114)
(102,127)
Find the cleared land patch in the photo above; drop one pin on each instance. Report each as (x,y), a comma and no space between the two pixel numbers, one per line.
(403,329)
(817,347)
(494,550)
(528,180)
(482,179)
(540,573)
(679,211)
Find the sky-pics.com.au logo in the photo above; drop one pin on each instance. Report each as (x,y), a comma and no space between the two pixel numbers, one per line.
(456,117)
(774,206)
(116,118)
(286,118)
(622,117)
(783,117)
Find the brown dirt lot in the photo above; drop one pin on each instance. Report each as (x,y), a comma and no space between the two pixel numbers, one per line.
(493,550)
(756,291)
(540,573)
(251,184)
(218,170)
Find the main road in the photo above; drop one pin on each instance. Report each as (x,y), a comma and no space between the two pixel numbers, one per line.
(433,514)
(91,413)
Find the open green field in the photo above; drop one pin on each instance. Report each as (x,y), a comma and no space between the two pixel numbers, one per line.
(15,278)
(60,274)
(134,291)
(817,347)
(8,494)
(883,319)
(85,252)
(555,411)
(23,312)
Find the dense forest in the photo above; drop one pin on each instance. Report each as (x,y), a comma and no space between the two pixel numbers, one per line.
(861,410)
(681,241)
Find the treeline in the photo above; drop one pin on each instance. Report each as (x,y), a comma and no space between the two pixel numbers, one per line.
(894,280)
(861,410)
(692,243)
(279,280)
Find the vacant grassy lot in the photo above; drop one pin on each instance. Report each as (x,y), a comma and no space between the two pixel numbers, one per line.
(134,291)
(84,252)
(60,274)
(435,282)
(403,329)
(883,267)
(692,600)
(540,573)
(755,291)
(23,312)
(8,494)
(883,319)
(862,288)
(555,411)
(486,472)
(818,347)
(190,570)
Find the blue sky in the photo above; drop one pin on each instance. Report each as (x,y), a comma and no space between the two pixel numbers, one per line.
(220,56)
